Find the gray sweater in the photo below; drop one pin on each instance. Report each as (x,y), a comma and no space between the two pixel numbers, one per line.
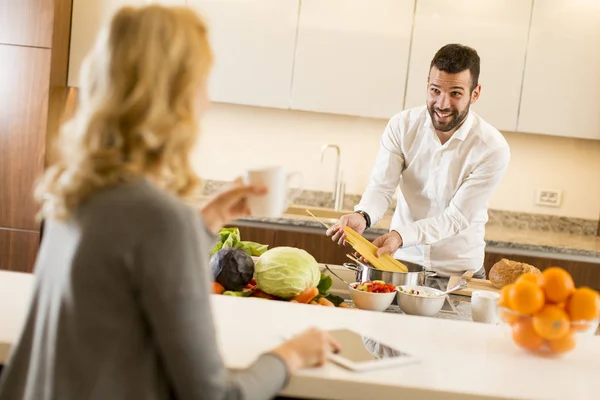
(121,309)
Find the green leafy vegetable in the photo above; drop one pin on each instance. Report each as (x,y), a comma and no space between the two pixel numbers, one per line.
(324,285)
(286,271)
(336,300)
(230,238)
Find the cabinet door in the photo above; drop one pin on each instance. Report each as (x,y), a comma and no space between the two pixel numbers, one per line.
(88,17)
(253,42)
(561,89)
(24,74)
(18,250)
(497,29)
(352,56)
(26,22)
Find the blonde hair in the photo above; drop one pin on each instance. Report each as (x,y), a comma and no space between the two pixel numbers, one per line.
(137,113)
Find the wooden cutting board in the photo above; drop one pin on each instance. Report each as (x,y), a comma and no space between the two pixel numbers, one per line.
(473,284)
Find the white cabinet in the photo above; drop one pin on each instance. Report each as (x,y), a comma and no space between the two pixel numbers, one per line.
(87,19)
(352,56)
(253,42)
(561,89)
(497,29)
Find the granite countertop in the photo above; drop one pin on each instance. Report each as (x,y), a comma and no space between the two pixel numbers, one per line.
(497,236)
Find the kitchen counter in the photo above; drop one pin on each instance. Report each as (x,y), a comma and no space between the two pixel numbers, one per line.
(498,238)
(458,359)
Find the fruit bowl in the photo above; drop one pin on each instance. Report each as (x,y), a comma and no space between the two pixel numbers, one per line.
(523,331)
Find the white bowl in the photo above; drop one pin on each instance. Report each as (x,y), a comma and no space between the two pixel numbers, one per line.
(420,305)
(370,301)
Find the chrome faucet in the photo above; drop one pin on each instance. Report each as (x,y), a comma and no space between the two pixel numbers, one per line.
(338,185)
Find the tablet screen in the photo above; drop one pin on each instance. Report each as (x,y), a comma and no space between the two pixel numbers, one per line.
(357,348)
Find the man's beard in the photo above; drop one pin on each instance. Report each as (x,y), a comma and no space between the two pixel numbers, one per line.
(454,120)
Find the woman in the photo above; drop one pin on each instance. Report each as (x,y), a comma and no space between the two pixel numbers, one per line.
(121,304)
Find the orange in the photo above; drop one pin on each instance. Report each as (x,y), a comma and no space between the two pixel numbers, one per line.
(528,277)
(557,284)
(524,335)
(564,344)
(503,301)
(551,323)
(526,297)
(584,304)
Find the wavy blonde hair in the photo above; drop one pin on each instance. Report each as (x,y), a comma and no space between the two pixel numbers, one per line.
(138,110)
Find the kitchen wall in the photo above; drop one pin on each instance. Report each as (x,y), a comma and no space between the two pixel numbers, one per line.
(237,137)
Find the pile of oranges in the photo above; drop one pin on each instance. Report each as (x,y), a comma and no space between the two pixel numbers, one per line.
(546,311)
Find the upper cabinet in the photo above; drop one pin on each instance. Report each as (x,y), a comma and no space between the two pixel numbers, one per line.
(561,89)
(497,29)
(253,42)
(26,22)
(351,56)
(88,18)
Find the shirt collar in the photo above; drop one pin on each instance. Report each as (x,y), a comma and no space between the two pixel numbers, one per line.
(461,133)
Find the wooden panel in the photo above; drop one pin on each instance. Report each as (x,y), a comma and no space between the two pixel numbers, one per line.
(24,75)
(320,246)
(18,250)
(584,274)
(60,42)
(26,22)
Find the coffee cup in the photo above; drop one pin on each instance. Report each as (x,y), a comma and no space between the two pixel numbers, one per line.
(277,199)
(484,306)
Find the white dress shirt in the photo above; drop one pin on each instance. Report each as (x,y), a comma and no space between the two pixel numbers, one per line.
(443,191)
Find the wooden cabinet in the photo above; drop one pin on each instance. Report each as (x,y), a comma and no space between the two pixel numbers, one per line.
(24,85)
(584,274)
(351,56)
(561,93)
(327,252)
(497,29)
(253,43)
(26,22)
(18,249)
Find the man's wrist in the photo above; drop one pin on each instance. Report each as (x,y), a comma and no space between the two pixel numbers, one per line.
(365,216)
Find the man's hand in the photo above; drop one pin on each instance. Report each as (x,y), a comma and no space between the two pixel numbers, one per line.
(354,221)
(388,243)
(229,205)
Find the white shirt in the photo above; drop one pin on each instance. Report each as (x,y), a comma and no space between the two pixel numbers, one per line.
(443,191)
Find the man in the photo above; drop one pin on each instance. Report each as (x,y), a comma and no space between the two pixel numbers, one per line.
(446,162)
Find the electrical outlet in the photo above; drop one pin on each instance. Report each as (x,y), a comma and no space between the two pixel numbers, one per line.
(550,198)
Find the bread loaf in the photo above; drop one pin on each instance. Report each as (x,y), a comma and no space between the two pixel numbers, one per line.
(506,271)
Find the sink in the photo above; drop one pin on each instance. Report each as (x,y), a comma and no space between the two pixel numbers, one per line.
(320,212)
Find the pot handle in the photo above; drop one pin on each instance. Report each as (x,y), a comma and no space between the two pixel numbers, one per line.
(352,267)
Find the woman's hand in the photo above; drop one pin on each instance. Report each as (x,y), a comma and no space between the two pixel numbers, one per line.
(353,220)
(228,205)
(308,349)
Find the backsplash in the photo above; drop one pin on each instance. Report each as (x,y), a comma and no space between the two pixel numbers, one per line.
(506,219)
(238,137)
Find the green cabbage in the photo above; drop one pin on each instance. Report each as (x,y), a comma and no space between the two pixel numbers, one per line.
(286,271)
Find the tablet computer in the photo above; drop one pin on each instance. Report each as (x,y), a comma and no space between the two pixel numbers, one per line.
(362,353)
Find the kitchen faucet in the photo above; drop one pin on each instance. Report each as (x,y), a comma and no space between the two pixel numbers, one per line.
(338,185)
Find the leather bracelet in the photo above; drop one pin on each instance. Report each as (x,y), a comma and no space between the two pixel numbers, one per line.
(366,217)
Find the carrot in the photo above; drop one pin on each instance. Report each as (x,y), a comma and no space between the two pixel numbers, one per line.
(324,302)
(217,288)
(293,301)
(314,303)
(344,305)
(307,295)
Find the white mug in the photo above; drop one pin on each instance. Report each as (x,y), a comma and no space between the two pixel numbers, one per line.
(276,200)
(484,306)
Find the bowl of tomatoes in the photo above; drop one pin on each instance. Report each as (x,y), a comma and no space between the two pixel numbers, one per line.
(372,295)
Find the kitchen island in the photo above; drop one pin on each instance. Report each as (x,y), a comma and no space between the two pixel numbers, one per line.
(458,359)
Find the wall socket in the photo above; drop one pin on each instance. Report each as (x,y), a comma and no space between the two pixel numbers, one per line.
(550,198)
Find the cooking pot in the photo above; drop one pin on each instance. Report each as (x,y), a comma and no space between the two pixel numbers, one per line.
(416,275)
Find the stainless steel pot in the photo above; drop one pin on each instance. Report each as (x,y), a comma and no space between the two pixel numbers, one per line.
(416,275)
